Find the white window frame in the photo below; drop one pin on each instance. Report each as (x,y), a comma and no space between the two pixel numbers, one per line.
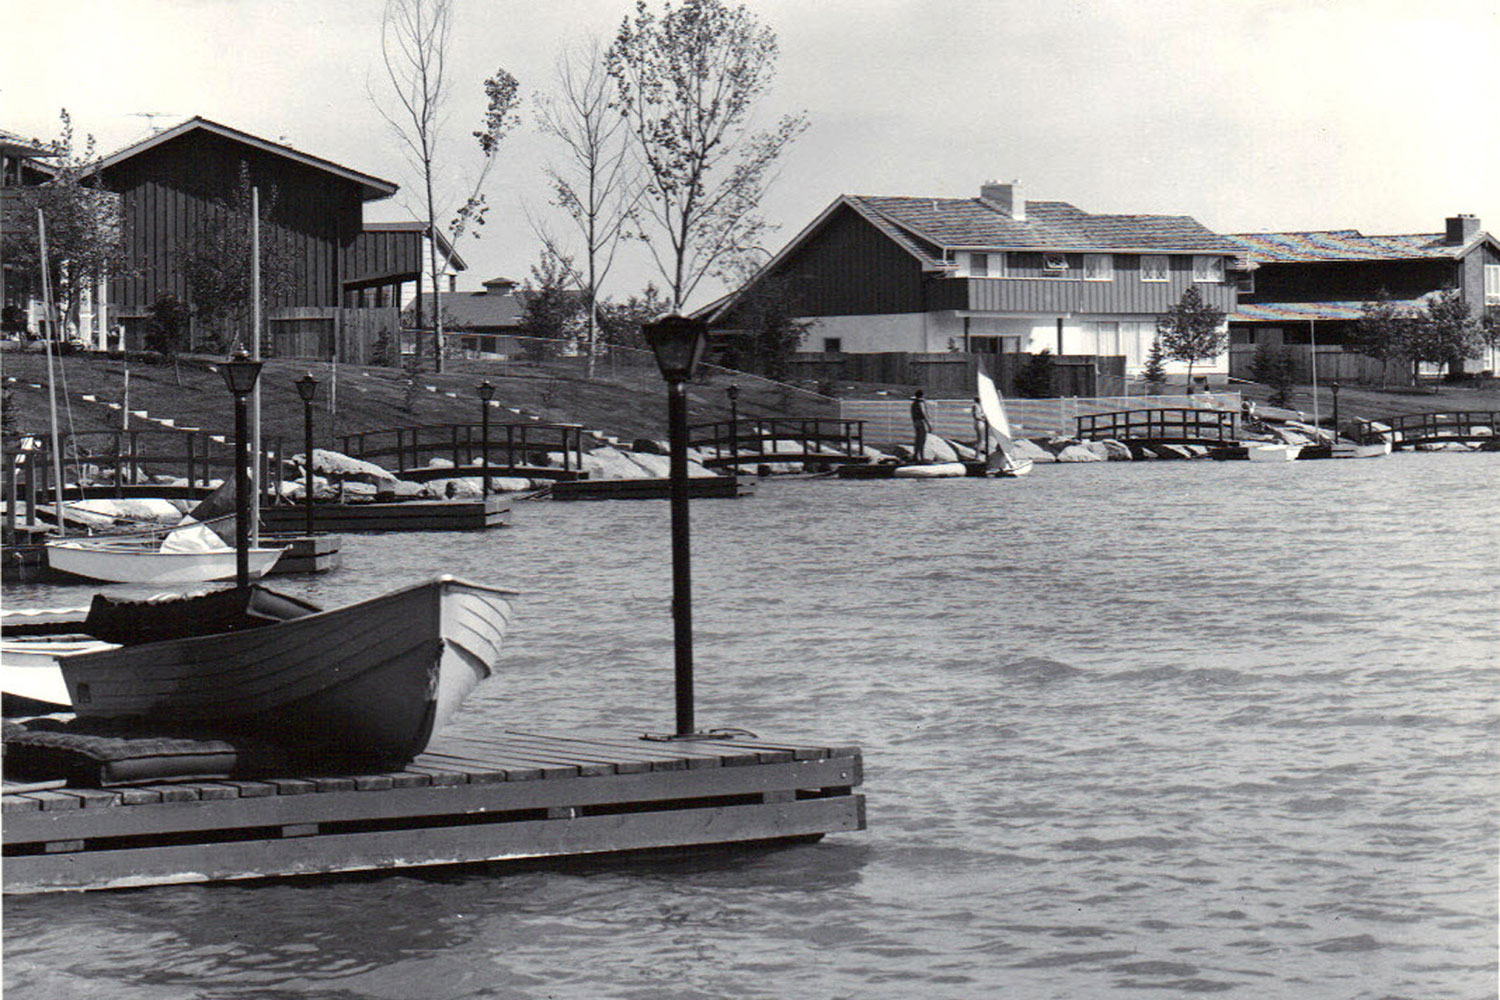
(1092,261)
(1208,269)
(1055,262)
(1492,284)
(1164,268)
(1245,283)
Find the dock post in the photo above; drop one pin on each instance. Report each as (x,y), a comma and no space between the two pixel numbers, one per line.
(486,392)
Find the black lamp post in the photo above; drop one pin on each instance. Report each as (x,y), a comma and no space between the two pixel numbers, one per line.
(241,374)
(1335,387)
(486,393)
(679,343)
(734,424)
(307,388)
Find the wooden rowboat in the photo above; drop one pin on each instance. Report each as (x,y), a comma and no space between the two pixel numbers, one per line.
(372,680)
(189,553)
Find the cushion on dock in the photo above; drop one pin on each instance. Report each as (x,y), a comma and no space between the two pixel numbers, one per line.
(88,756)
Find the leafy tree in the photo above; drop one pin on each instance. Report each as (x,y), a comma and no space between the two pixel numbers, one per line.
(216,262)
(621,322)
(1274,366)
(414,37)
(1385,331)
(598,186)
(1489,331)
(167,327)
(687,82)
(1034,380)
(1447,333)
(767,316)
(84,225)
(1192,331)
(380,352)
(551,312)
(1155,371)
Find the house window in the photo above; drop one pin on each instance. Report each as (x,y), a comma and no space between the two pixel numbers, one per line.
(1098,267)
(1244,282)
(833,345)
(1155,267)
(1492,284)
(979,265)
(1208,269)
(1055,262)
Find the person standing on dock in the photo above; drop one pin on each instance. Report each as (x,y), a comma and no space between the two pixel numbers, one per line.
(921,421)
(981,427)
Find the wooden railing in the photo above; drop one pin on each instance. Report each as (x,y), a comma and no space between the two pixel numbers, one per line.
(758,438)
(411,448)
(1420,428)
(1169,426)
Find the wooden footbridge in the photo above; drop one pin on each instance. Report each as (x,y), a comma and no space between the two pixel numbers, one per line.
(524,447)
(1410,429)
(1184,425)
(757,441)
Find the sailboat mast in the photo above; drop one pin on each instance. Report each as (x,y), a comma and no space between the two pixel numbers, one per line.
(50,322)
(1312,335)
(255,356)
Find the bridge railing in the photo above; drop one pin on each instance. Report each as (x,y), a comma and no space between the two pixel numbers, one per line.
(1416,428)
(1167,425)
(752,438)
(463,444)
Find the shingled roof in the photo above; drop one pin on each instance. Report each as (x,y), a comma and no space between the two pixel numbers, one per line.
(1344,244)
(978,224)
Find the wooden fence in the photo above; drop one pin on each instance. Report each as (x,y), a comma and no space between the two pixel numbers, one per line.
(953,373)
(314,332)
(1334,364)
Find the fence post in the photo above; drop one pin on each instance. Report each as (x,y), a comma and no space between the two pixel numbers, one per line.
(119,472)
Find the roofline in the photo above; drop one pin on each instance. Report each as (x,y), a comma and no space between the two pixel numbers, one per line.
(1454,252)
(372,188)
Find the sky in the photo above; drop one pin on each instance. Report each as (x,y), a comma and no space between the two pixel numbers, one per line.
(1249,115)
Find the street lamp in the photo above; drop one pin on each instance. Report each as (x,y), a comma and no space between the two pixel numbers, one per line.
(486,393)
(679,343)
(734,424)
(307,388)
(1335,387)
(241,374)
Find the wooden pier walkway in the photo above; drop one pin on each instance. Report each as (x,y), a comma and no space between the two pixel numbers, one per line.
(507,796)
(1176,425)
(406,451)
(399,515)
(763,441)
(699,488)
(1410,429)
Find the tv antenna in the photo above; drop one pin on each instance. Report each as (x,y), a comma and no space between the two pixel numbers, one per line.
(151,117)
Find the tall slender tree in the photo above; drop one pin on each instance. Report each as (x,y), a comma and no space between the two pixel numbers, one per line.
(687,81)
(414,37)
(1385,331)
(597,182)
(1192,331)
(1448,333)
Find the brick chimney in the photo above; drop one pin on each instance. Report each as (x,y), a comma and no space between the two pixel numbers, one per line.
(1462,229)
(1006,197)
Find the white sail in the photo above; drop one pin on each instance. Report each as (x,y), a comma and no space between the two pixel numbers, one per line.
(993,407)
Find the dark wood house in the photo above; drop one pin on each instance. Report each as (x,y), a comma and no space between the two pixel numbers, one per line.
(1307,290)
(347,277)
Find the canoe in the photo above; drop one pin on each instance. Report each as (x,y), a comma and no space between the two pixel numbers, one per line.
(935,470)
(144,560)
(369,681)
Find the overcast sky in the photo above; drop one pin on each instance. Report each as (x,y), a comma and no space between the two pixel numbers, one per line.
(1378,115)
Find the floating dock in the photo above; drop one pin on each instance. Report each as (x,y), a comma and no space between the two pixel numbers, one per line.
(305,553)
(508,796)
(401,515)
(699,488)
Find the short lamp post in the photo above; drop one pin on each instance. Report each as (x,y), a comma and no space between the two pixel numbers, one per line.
(678,343)
(734,424)
(486,393)
(307,388)
(1335,387)
(241,374)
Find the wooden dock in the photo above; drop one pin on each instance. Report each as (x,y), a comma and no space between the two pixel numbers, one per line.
(507,796)
(699,488)
(305,554)
(402,515)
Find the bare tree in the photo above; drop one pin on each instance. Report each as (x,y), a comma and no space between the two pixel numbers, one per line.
(414,42)
(597,187)
(687,82)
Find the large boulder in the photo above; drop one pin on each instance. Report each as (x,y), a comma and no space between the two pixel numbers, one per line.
(1115,451)
(1080,453)
(649,446)
(611,463)
(144,510)
(660,466)
(1027,448)
(353,470)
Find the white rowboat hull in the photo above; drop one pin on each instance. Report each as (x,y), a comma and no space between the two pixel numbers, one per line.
(123,563)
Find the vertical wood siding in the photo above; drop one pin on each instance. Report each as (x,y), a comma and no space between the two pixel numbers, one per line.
(1126,294)
(170,191)
(382,255)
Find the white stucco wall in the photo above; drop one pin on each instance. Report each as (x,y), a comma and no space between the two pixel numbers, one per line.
(870,334)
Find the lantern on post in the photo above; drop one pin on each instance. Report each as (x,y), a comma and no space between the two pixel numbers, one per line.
(1335,387)
(734,424)
(307,388)
(679,343)
(241,374)
(486,393)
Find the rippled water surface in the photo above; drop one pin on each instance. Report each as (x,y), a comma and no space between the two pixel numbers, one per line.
(1186,728)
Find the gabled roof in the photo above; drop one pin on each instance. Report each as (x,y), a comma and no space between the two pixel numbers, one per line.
(413,226)
(1351,245)
(978,224)
(371,188)
(20,146)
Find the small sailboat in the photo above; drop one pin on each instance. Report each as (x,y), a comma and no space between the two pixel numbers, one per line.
(1002,459)
(189,553)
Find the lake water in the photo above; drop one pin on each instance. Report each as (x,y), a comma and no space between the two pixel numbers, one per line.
(1129,730)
